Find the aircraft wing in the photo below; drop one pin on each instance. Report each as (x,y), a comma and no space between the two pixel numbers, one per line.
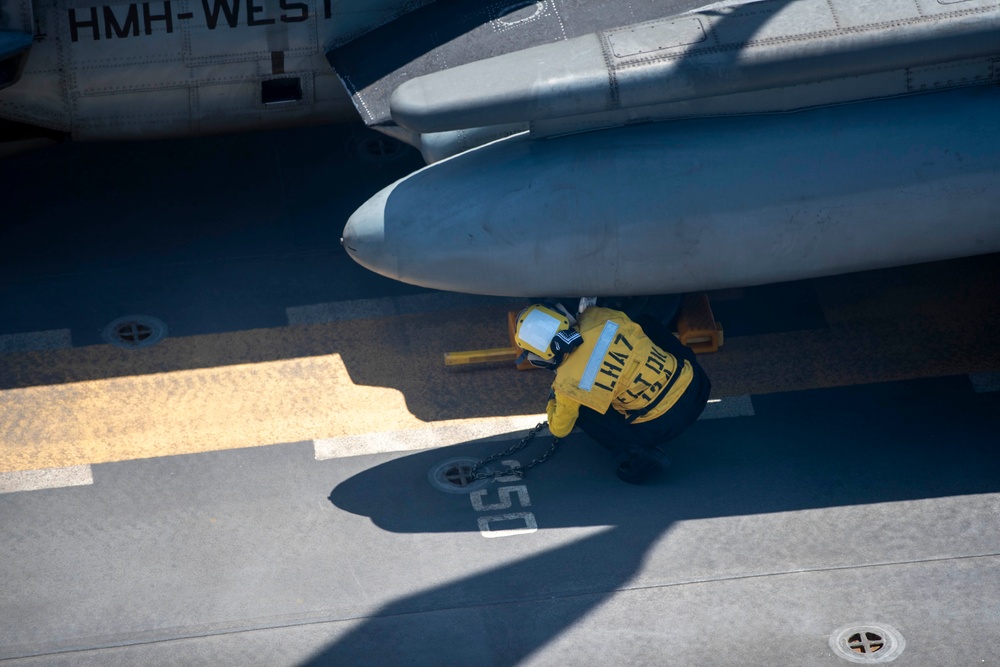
(448,78)
(894,159)
(449,33)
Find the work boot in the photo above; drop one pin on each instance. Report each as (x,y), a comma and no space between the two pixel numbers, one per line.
(640,463)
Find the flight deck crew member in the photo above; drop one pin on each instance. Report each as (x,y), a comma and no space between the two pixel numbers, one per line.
(630,391)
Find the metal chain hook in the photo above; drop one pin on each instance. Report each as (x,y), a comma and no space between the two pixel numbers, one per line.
(517,471)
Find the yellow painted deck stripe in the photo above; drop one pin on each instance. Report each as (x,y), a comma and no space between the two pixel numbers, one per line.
(99,404)
(203,393)
(192,411)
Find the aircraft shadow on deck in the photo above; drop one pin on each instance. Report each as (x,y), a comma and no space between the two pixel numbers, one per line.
(883,443)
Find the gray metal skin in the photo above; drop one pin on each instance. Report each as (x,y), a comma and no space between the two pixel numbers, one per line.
(698,204)
(721,50)
(725,59)
(119,69)
(730,58)
(748,194)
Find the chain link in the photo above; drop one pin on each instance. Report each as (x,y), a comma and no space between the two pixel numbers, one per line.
(517,471)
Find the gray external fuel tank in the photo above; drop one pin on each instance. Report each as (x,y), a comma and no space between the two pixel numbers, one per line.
(698,204)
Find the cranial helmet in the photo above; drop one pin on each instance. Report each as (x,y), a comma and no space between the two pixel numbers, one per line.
(545,334)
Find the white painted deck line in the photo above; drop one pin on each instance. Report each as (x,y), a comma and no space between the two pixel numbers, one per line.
(49,478)
(440,434)
(55,339)
(985,383)
(443,434)
(733,406)
(340,311)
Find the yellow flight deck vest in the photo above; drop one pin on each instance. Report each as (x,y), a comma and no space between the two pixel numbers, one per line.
(616,366)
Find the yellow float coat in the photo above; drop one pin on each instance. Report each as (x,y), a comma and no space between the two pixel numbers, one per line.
(617,366)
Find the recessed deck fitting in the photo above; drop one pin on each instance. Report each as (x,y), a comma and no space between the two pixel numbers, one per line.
(867,643)
(134,331)
(455,475)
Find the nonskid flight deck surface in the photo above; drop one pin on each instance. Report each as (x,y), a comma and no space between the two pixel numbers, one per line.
(825,508)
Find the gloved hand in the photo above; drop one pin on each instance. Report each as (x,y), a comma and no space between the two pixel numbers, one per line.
(565,342)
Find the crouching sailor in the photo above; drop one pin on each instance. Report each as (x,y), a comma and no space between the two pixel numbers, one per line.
(631,388)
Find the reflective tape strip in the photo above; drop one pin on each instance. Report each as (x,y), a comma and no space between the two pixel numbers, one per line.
(537,330)
(597,356)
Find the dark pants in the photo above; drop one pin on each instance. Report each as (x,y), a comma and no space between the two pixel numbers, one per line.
(617,435)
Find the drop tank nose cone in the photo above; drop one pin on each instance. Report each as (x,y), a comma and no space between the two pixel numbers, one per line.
(364,236)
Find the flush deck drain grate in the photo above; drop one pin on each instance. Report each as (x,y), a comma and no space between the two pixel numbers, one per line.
(134,331)
(455,476)
(868,643)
